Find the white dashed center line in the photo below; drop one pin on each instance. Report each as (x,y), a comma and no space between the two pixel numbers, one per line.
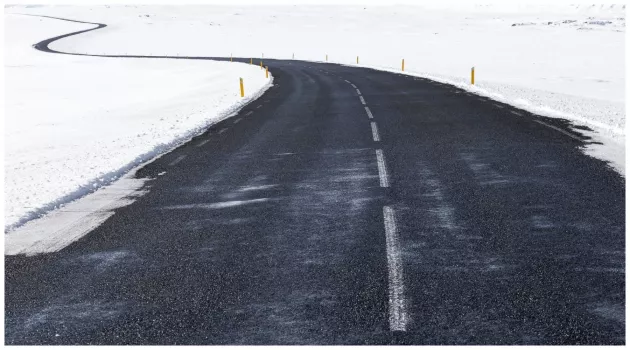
(362,99)
(558,129)
(203,142)
(258,106)
(375,135)
(249,113)
(517,113)
(369,113)
(222,130)
(358,92)
(354,86)
(236,121)
(382,169)
(179,159)
(498,106)
(397,312)
(346,81)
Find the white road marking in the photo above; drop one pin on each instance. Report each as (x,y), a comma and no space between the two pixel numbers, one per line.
(236,121)
(258,106)
(354,86)
(382,169)
(179,159)
(203,142)
(362,100)
(358,92)
(222,130)
(369,113)
(375,135)
(249,113)
(397,313)
(558,129)
(346,81)
(517,113)
(498,106)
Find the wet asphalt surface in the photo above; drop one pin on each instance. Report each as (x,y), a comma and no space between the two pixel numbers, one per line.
(271,229)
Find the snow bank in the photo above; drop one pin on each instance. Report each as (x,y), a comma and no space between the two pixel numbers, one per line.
(558,60)
(74,124)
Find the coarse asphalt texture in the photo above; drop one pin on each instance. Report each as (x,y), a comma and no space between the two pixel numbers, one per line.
(270,228)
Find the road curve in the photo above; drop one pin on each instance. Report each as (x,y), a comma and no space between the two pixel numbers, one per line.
(347,206)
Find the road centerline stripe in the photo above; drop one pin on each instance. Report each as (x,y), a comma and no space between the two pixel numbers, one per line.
(375,135)
(222,130)
(369,113)
(358,92)
(177,160)
(558,129)
(236,121)
(362,99)
(382,169)
(397,312)
(517,113)
(249,113)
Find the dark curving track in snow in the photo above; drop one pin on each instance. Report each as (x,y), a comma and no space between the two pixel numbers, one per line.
(272,228)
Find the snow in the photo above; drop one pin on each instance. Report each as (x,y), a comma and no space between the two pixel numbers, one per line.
(74,124)
(558,60)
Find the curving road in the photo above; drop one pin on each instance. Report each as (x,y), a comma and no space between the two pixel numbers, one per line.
(347,206)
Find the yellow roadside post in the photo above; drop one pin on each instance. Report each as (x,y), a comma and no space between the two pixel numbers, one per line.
(326,57)
(472,76)
(230,57)
(403,64)
(293,57)
(266,72)
(242,89)
(251,61)
(260,64)
(357,59)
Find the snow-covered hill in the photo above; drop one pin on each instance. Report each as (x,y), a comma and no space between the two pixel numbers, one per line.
(73,124)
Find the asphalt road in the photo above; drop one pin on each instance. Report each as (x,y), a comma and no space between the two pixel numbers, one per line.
(347,206)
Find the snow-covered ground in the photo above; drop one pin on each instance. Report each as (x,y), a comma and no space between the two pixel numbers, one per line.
(73,124)
(558,60)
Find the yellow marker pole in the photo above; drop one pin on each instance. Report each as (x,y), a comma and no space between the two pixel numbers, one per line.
(293,57)
(326,57)
(403,64)
(357,59)
(251,61)
(230,57)
(266,72)
(472,76)
(242,89)
(260,64)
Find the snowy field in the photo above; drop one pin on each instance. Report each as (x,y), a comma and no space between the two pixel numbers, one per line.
(74,124)
(557,60)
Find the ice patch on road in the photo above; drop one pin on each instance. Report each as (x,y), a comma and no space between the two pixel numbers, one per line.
(218,205)
(60,228)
